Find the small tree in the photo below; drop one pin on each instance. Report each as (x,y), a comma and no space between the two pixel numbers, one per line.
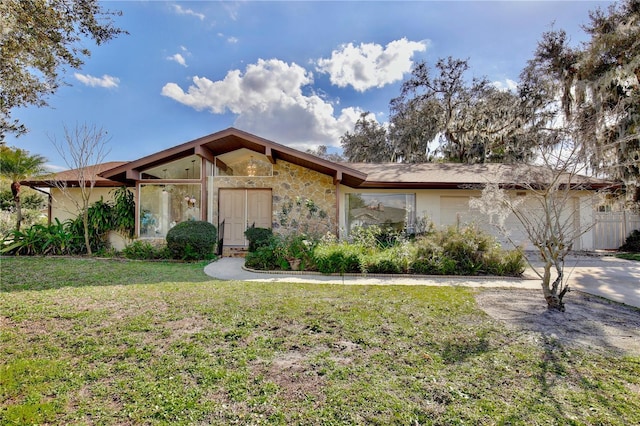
(548,213)
(17,164)
(83,149)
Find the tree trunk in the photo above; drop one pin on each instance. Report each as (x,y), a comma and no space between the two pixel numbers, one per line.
(85,222)
(550,292)
(15,191)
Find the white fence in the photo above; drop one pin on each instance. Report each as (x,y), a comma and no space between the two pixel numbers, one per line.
(612,228)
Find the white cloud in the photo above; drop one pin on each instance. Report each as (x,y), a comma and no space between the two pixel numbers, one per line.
(229,39)
(370,65)
(106,81)
(268,99)
(178,58)
(182,11)
(507,85)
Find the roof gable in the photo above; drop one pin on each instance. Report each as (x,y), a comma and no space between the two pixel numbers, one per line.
(231,139)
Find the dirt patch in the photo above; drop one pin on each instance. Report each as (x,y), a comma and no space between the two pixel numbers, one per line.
(589,321)
(295,377)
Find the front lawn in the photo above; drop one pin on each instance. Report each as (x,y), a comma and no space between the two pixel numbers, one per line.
(629,256)
(86,341)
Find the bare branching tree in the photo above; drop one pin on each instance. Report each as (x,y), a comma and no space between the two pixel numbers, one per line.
(83,149)
(549,213)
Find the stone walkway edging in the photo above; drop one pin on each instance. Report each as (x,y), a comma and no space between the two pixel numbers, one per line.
(375,275)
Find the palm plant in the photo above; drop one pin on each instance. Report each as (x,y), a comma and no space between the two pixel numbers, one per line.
(17,165)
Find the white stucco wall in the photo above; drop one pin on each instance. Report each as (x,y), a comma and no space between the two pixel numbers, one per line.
(63,208)
(429,203)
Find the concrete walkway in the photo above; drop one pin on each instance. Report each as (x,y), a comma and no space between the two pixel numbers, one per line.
(615,279)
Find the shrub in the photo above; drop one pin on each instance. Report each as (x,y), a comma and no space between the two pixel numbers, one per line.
(298,251)
(469,251)
(123,211)
(375,237)
(258,237)
(427,253)
(632,243)
(55,239)
(144,250)
(271,255)
(192,240)
(505,262)
(339,257)
(100,223)
(381,263)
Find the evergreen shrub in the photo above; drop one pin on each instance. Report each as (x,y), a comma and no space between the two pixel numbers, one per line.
(338,258)
(192,240)
(258,237)
(144,250)
(632,243)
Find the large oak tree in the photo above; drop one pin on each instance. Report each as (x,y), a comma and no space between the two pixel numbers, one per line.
(597,88)
(39,40)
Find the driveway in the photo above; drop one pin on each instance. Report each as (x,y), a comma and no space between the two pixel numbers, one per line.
(609,277)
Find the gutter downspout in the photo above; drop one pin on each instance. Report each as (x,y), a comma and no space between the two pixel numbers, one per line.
(337,209)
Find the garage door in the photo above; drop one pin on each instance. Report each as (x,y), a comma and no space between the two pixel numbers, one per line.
(455,211)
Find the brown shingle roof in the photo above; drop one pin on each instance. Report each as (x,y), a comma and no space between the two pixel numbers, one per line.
(70,177)
(455,175)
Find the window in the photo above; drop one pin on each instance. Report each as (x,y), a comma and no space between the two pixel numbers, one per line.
(387,210)
(243,162)
(162,206)
(184,168)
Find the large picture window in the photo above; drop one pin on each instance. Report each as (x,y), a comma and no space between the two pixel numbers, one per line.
(396,211)
(162,206)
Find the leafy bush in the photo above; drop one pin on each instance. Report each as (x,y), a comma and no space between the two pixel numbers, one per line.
(466,252)
(100,223)
(271,255)
(144,250)
(446,252)
(505,262)
(393,260)
(124,212)
(632,243)
(298,251)
(339,257)
(192,240)
(283,252)
(381,263)
(376,237)
(54,239)
(258,237)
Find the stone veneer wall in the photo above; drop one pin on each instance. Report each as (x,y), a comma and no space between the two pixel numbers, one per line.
(288,182)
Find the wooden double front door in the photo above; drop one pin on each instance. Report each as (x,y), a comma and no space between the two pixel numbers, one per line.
(242,208)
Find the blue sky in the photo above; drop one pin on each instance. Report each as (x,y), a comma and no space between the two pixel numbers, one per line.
(298,73)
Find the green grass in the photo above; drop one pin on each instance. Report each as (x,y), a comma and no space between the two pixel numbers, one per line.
(629,256)
(86,341)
